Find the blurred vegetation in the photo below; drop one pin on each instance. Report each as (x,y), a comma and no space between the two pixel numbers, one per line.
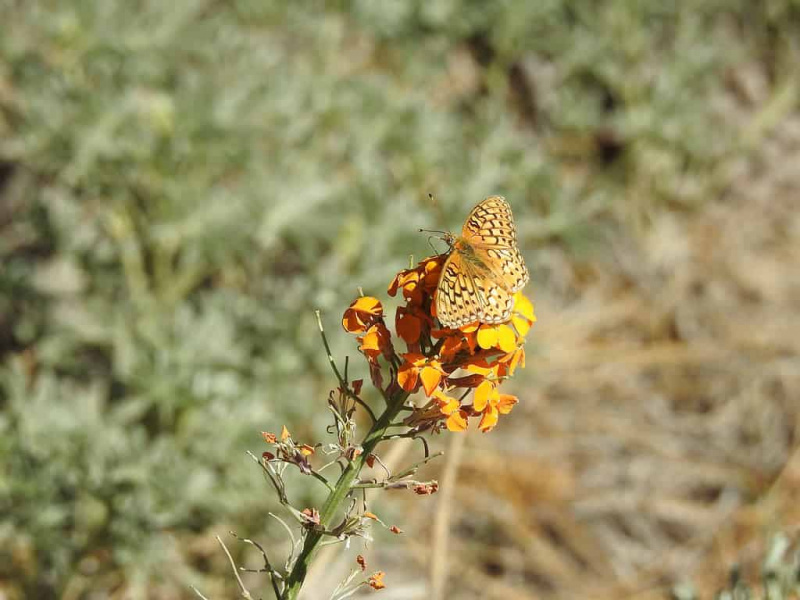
(182,183)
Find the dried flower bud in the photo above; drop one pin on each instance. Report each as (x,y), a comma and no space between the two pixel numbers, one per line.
(376,580)
(426,489)
(312,515)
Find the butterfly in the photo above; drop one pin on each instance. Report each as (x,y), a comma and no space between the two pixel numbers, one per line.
(483,270)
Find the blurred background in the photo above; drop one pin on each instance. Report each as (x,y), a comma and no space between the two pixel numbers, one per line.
(183,183)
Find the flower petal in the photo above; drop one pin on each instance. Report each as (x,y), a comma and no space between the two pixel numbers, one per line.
(489,420)
(482,395)
(506,403)
(352,323)
(470,327)
(487,337)
(506,338)
(368,304)
(431,378)
(408,326)
(457,421)
(407,376)
(521,324)
(524,307)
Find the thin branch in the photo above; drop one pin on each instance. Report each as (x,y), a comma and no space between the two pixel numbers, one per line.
(322,478)
(406,484)
(244,591)
(342,380)
(288,529)
(273,574)
(385,468)
(196,591)
(414,467)
(363,405)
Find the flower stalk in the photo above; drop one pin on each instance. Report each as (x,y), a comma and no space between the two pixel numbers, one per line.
(337,497)
(441,366)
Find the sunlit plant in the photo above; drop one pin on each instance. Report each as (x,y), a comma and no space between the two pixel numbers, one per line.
(463,325)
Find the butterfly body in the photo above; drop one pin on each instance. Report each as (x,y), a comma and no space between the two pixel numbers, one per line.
(483,270)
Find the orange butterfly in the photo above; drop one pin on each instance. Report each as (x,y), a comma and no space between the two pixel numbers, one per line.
(483,270)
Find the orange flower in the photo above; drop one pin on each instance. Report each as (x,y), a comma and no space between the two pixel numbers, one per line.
(475,355)
(408,324)
(408,280)
(457,421)
(447,404)
(376,341)
(363,312)
(523,316)
(500,336)
(417,367)
(490,403)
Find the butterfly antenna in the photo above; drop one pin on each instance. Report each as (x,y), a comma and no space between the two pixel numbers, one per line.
(430,243)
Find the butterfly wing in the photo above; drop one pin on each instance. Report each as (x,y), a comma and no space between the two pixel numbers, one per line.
(458,300)
(496,302)
(490,230)
(491,223)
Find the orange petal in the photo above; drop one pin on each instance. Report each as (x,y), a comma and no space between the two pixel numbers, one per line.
(352,323)
(306,450)
(371,341)
(506,339)
(519,356)
(450,347)
(431,378)
(415,358)
(408,327)
(524,307)
(451,407)
(521,324)
(457,421)
(285,434)
(369,305)
(468,381)
(483,395)
(407,376)
(480,367)
(447,404)
(487,337)
(412,293)
(506,403)
(470,327)
(472,341)
(488,420)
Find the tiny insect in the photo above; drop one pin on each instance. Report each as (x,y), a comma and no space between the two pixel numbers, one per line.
(483,270)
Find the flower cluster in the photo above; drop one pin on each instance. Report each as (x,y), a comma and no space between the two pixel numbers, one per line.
(476,357)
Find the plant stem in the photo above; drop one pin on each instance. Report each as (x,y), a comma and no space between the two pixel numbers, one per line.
(339,494)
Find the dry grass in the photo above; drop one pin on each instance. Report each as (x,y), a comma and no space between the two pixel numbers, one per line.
(657,441)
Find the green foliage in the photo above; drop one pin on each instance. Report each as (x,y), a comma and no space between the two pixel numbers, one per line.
(182,183)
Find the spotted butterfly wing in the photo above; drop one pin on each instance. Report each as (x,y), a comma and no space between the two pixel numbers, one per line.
(484,268)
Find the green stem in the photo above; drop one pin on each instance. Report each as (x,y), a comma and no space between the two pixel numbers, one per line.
(338,496)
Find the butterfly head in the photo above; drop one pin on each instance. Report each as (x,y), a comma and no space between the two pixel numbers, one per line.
(445,236)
